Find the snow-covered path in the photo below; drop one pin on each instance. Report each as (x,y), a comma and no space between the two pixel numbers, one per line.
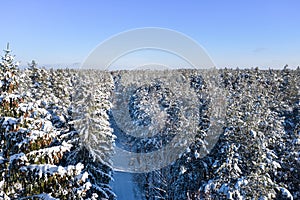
(124,187)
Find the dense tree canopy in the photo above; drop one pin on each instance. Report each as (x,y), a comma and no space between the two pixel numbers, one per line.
(57,135)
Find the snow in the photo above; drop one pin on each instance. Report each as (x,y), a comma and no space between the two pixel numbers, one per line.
(197,155)
(2,160)
(124,186)
(47,126)
(60,170)
(209,186)
(11,96)
(182,169)
(229,195)
(45,196)
(78,168)
(237,168)
(19,156)
(84,176)
(53,169)
(253,133)
(240,182)
(50,150)
(286,193)
(42,167)
(3,196)
(9,121)
(271,154)
(263,198)
(215,164)
(296,141)
(276,165)
(224,189)
(34,135)
(85,187)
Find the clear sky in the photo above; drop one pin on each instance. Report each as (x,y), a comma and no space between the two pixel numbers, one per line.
(234,33)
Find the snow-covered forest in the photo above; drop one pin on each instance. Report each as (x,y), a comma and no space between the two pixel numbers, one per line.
(47,143)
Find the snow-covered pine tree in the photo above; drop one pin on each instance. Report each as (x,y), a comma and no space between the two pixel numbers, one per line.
(9,115)
(60,83)
(31,151)
(90,107)
(40,86)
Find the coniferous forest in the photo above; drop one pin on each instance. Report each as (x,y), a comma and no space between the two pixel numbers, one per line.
(46,151)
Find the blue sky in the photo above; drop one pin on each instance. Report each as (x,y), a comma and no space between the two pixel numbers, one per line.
(234,33)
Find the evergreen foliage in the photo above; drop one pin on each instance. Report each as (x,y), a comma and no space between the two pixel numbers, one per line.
(57,137)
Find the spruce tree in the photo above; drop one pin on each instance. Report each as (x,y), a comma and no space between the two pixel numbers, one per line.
(95,143)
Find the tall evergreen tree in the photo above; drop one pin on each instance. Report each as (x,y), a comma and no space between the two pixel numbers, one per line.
(90,107)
